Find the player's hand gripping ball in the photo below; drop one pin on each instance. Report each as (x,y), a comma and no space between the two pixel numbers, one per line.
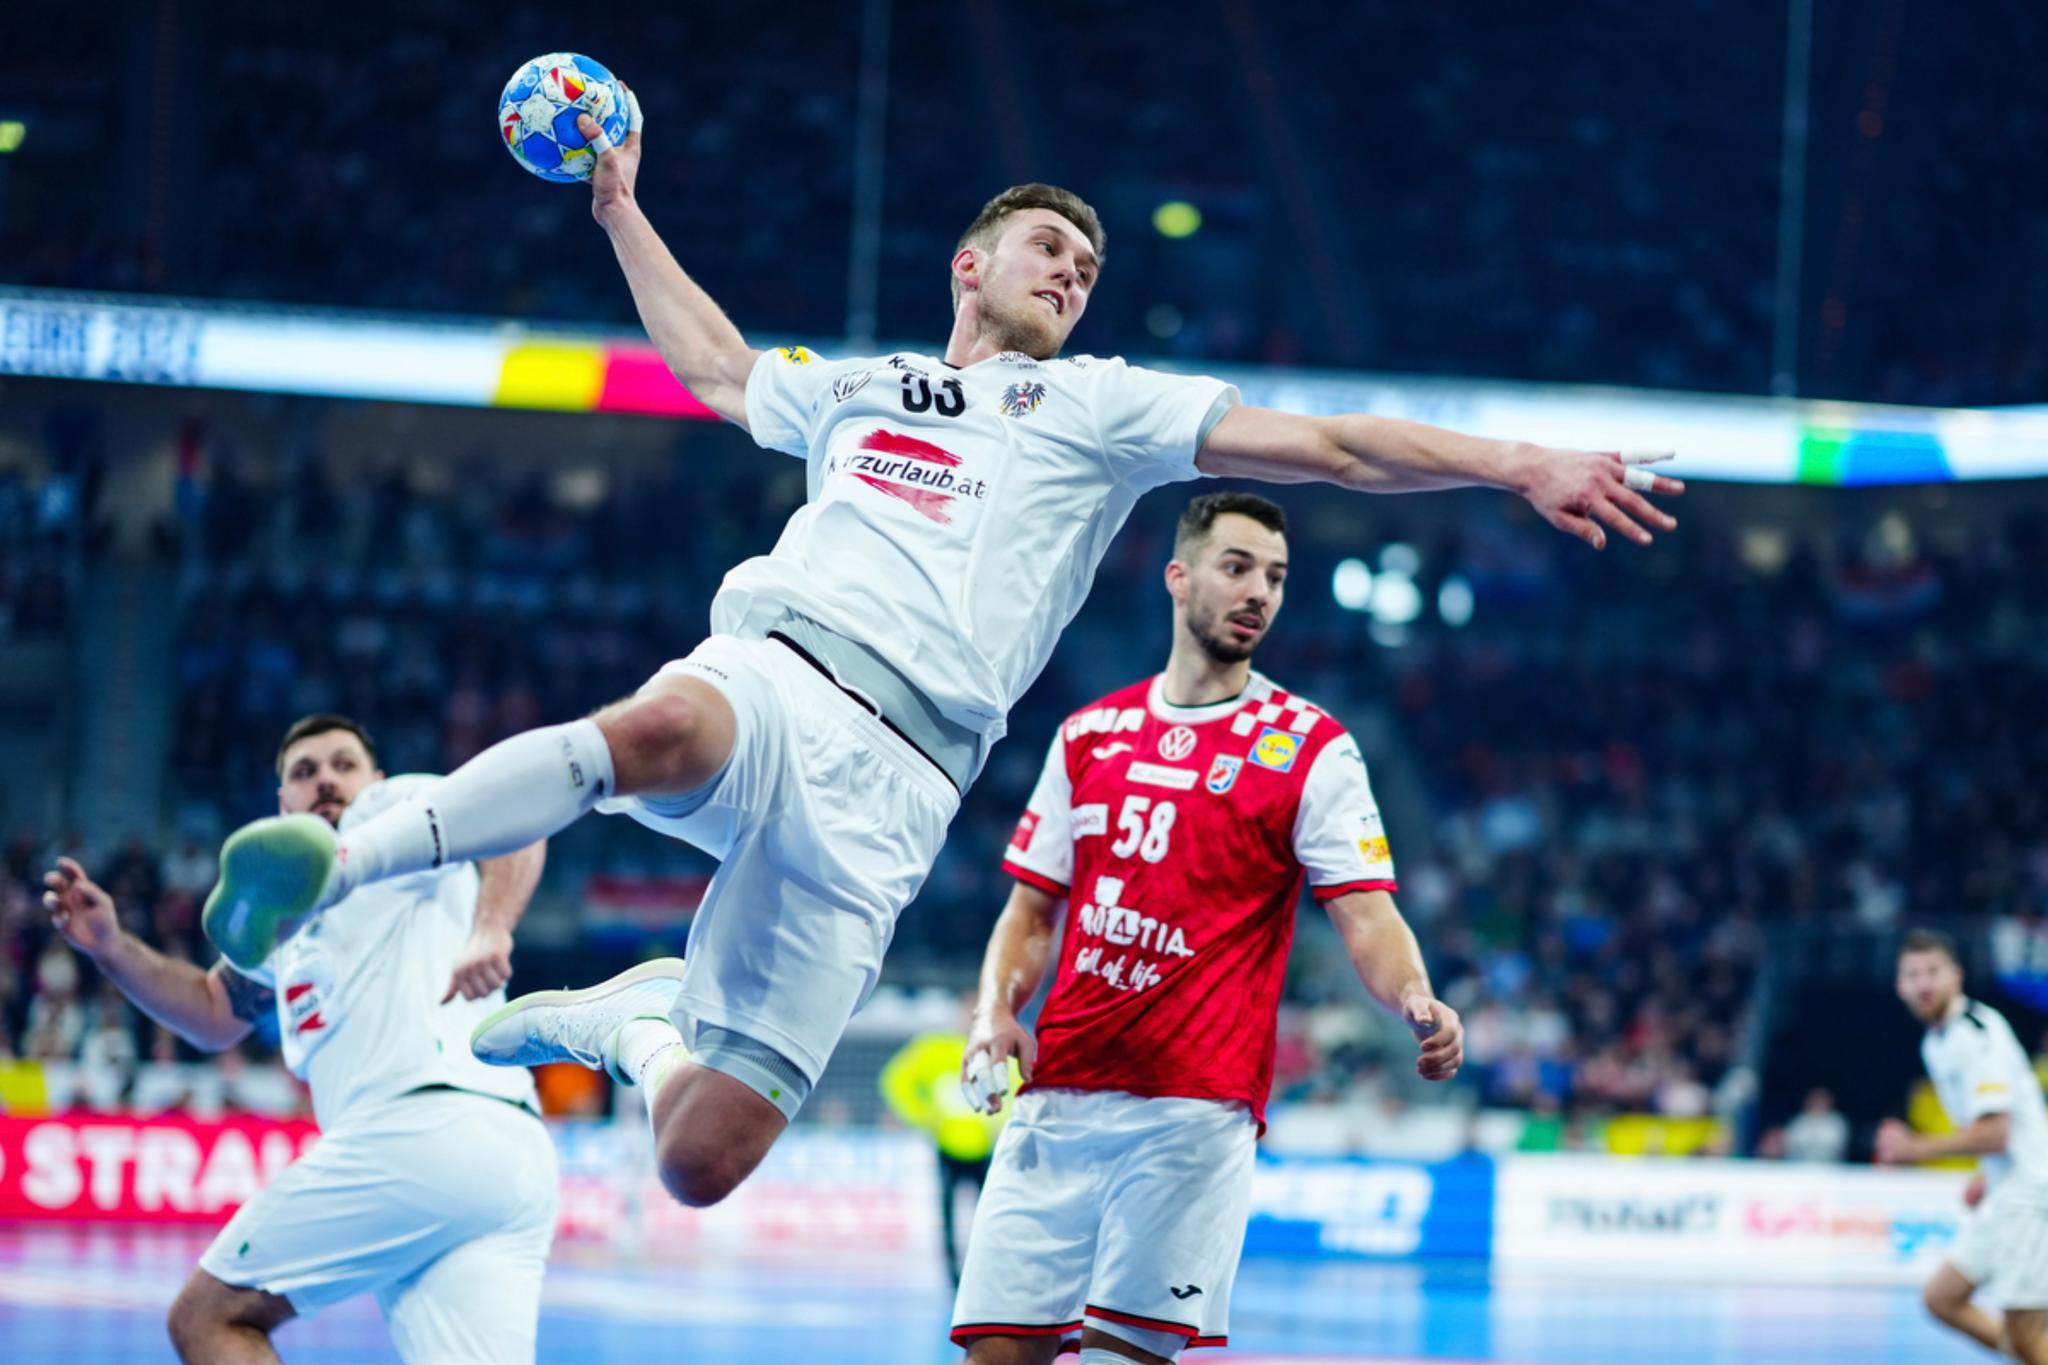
(537,114)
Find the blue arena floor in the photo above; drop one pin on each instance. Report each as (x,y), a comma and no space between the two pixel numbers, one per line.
(93,1296)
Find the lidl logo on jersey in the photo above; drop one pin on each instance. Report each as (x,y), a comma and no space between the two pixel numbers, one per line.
(1276,749)
(1223,773)
(1021,400)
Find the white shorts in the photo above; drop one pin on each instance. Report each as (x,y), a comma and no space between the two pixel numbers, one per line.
(1111,1210)
(826,823)
(441,1203)
(2004,1244)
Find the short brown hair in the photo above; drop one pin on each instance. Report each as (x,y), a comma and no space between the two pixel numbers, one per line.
(320,723)
(1201,515)
(988,224)
(1930,941)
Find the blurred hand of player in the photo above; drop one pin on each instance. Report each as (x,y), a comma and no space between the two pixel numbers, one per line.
(79,909)
(1973,1193)
(485,964)
(1442,1035)
(1895,1144)
(618,164)
(985,1071)
(1578,490)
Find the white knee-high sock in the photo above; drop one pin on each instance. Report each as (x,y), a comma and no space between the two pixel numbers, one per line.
(510,795)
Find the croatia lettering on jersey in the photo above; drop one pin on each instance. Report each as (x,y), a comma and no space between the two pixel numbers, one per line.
(1181,838)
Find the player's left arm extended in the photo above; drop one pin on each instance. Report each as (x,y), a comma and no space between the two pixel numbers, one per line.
(1574,490)
(1389,962)
(505,886)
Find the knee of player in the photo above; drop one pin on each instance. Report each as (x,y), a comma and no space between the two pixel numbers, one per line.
(696,1176)
(1940,1301)
(663,735)
(191,1322)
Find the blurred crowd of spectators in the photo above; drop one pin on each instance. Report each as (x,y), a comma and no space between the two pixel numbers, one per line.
(37,554)
(1592,196)
(1625,779)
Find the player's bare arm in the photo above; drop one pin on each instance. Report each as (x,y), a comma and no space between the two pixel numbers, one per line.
(702,347)
(505,887)
(1388,960)
(1899,1145)
(1018,952)
(202,1007)
(1580,492)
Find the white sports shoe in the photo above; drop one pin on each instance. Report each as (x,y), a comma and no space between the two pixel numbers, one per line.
(579,1026)
(275,875)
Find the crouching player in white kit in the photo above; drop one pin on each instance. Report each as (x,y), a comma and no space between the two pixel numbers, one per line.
(1988,1087)
(433,1183)
(1178,819)
(818,743)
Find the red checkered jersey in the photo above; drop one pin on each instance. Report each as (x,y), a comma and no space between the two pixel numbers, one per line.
(1181,837)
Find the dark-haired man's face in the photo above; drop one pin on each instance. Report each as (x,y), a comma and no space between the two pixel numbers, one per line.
(1929,981)
(1032,287)
(1229,590)
(323,773)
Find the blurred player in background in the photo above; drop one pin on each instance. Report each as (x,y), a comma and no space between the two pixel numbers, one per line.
(1987,1085)
(921,1083)
(433,1183)
(819,742)
(1177,819)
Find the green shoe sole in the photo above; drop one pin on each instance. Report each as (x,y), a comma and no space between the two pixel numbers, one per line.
(271,875)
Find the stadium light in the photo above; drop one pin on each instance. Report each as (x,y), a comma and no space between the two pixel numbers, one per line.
(1351,585)
(1177,218)
(13,132)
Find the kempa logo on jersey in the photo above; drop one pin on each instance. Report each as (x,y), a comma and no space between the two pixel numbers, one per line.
(1176,744)
(914,471)
(847,385)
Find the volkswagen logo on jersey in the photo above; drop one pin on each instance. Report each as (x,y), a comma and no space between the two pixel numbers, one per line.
(1276,749)
(1223,773)
(1176,744)
(1021,400)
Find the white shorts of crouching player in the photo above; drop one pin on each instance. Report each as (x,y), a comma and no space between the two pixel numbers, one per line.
(2003,1246)
(1112,1211)
(441,1203)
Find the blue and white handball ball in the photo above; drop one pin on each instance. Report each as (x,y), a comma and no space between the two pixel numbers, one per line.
(537,114)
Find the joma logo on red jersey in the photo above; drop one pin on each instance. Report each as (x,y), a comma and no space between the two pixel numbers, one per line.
(1106,720)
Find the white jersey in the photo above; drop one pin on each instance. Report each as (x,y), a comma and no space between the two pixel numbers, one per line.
(955,517)
(1978,1067)
(359,1010)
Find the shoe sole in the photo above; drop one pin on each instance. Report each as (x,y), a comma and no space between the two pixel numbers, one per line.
(660,969)
(271,872)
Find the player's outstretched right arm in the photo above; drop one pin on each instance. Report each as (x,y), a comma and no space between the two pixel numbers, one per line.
(1018,951)
(702,347)
(209,1009)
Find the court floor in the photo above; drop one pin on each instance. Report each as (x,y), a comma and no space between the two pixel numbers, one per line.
(96,1295)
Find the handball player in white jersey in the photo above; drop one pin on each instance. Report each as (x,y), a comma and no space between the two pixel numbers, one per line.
(433,1183)
(818,742)
(1177,820)
(1987,1085)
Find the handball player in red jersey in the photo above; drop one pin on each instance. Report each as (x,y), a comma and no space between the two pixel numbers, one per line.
(1177,819)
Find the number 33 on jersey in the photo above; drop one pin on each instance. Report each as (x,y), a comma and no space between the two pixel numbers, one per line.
(1181,837)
